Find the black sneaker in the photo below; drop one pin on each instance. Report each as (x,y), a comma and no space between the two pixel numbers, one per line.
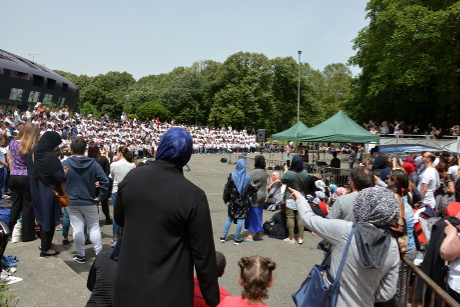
(108,222)
(79,259)
(222,239)
(238,242)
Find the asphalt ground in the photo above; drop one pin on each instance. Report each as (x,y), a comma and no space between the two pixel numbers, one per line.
(60,281)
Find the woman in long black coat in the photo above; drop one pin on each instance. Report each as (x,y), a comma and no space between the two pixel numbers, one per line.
(45,170)
(167,231)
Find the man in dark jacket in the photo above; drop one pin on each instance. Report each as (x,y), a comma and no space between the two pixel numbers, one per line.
(84,175)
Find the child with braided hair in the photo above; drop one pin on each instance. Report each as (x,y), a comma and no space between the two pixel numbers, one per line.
(255,278)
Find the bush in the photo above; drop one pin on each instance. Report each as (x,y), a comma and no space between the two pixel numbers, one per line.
(152,110)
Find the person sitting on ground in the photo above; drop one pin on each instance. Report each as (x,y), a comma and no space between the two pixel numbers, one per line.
(275,227)
(274,196)
(198,299)
(100,280)
(255,278)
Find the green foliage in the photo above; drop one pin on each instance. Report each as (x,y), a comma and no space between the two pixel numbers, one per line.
(248,90)
(7,298)
(88,108)
(153,110)
(410,60)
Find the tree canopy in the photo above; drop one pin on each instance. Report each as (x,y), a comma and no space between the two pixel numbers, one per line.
(410,60)
(248,90)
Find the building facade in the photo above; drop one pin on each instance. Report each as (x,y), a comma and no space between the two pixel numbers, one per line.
(24,83)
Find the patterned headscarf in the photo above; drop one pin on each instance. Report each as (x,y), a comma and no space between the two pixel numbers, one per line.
(175,146)
(377,206)
(375,210)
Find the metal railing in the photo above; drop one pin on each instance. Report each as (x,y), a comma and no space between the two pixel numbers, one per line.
(418,289)
(329,175)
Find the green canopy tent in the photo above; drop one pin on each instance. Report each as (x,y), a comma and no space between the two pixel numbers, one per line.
(291,133)
(338,129)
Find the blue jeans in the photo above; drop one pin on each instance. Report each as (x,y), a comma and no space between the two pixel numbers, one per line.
(114,200)
(350,164)
(2,181)
(287,154)
(239,226)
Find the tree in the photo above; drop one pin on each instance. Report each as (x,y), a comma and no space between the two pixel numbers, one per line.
(336,88)
(153,110)
(410,60)
(245,99)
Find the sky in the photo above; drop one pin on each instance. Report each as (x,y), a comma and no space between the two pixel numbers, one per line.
(148,37)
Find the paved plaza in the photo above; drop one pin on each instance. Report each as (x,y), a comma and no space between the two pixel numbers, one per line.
(60,281)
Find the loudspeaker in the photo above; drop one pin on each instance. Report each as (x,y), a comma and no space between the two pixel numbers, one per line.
(261,135)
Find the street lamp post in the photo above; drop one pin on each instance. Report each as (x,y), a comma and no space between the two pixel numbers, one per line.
(126,108)
(196,117)
(298,91)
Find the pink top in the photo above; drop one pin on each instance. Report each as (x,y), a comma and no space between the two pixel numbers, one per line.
(237,301)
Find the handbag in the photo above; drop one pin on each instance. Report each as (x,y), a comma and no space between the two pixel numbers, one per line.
(64,199)
(321,288)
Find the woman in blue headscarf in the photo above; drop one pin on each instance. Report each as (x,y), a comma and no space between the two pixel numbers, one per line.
(235,195)
(167,232)
(294,178)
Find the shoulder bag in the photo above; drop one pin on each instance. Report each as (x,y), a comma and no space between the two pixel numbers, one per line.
(64,199)
(320,288)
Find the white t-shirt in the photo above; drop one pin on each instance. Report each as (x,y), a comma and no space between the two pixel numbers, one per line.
(431,177)
(454,275)
(454,171)
(3,151)
(118,171)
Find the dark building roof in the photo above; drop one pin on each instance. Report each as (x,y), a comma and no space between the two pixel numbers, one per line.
(23,83)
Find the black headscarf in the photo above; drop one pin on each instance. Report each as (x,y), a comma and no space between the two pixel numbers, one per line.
(259,162)
(297,164)
(46,162)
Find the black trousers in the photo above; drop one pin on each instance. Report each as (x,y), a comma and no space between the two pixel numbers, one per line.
(21,201)
(46,238)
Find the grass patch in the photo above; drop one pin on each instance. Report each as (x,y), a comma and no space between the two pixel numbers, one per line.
(7,297)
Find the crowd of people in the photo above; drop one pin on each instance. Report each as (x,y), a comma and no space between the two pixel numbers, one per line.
(416,197)
(393,206)
(400,128)
(140,137)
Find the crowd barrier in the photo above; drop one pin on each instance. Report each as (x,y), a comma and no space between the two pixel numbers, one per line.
(413,283)
(329,175)
(418,289)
